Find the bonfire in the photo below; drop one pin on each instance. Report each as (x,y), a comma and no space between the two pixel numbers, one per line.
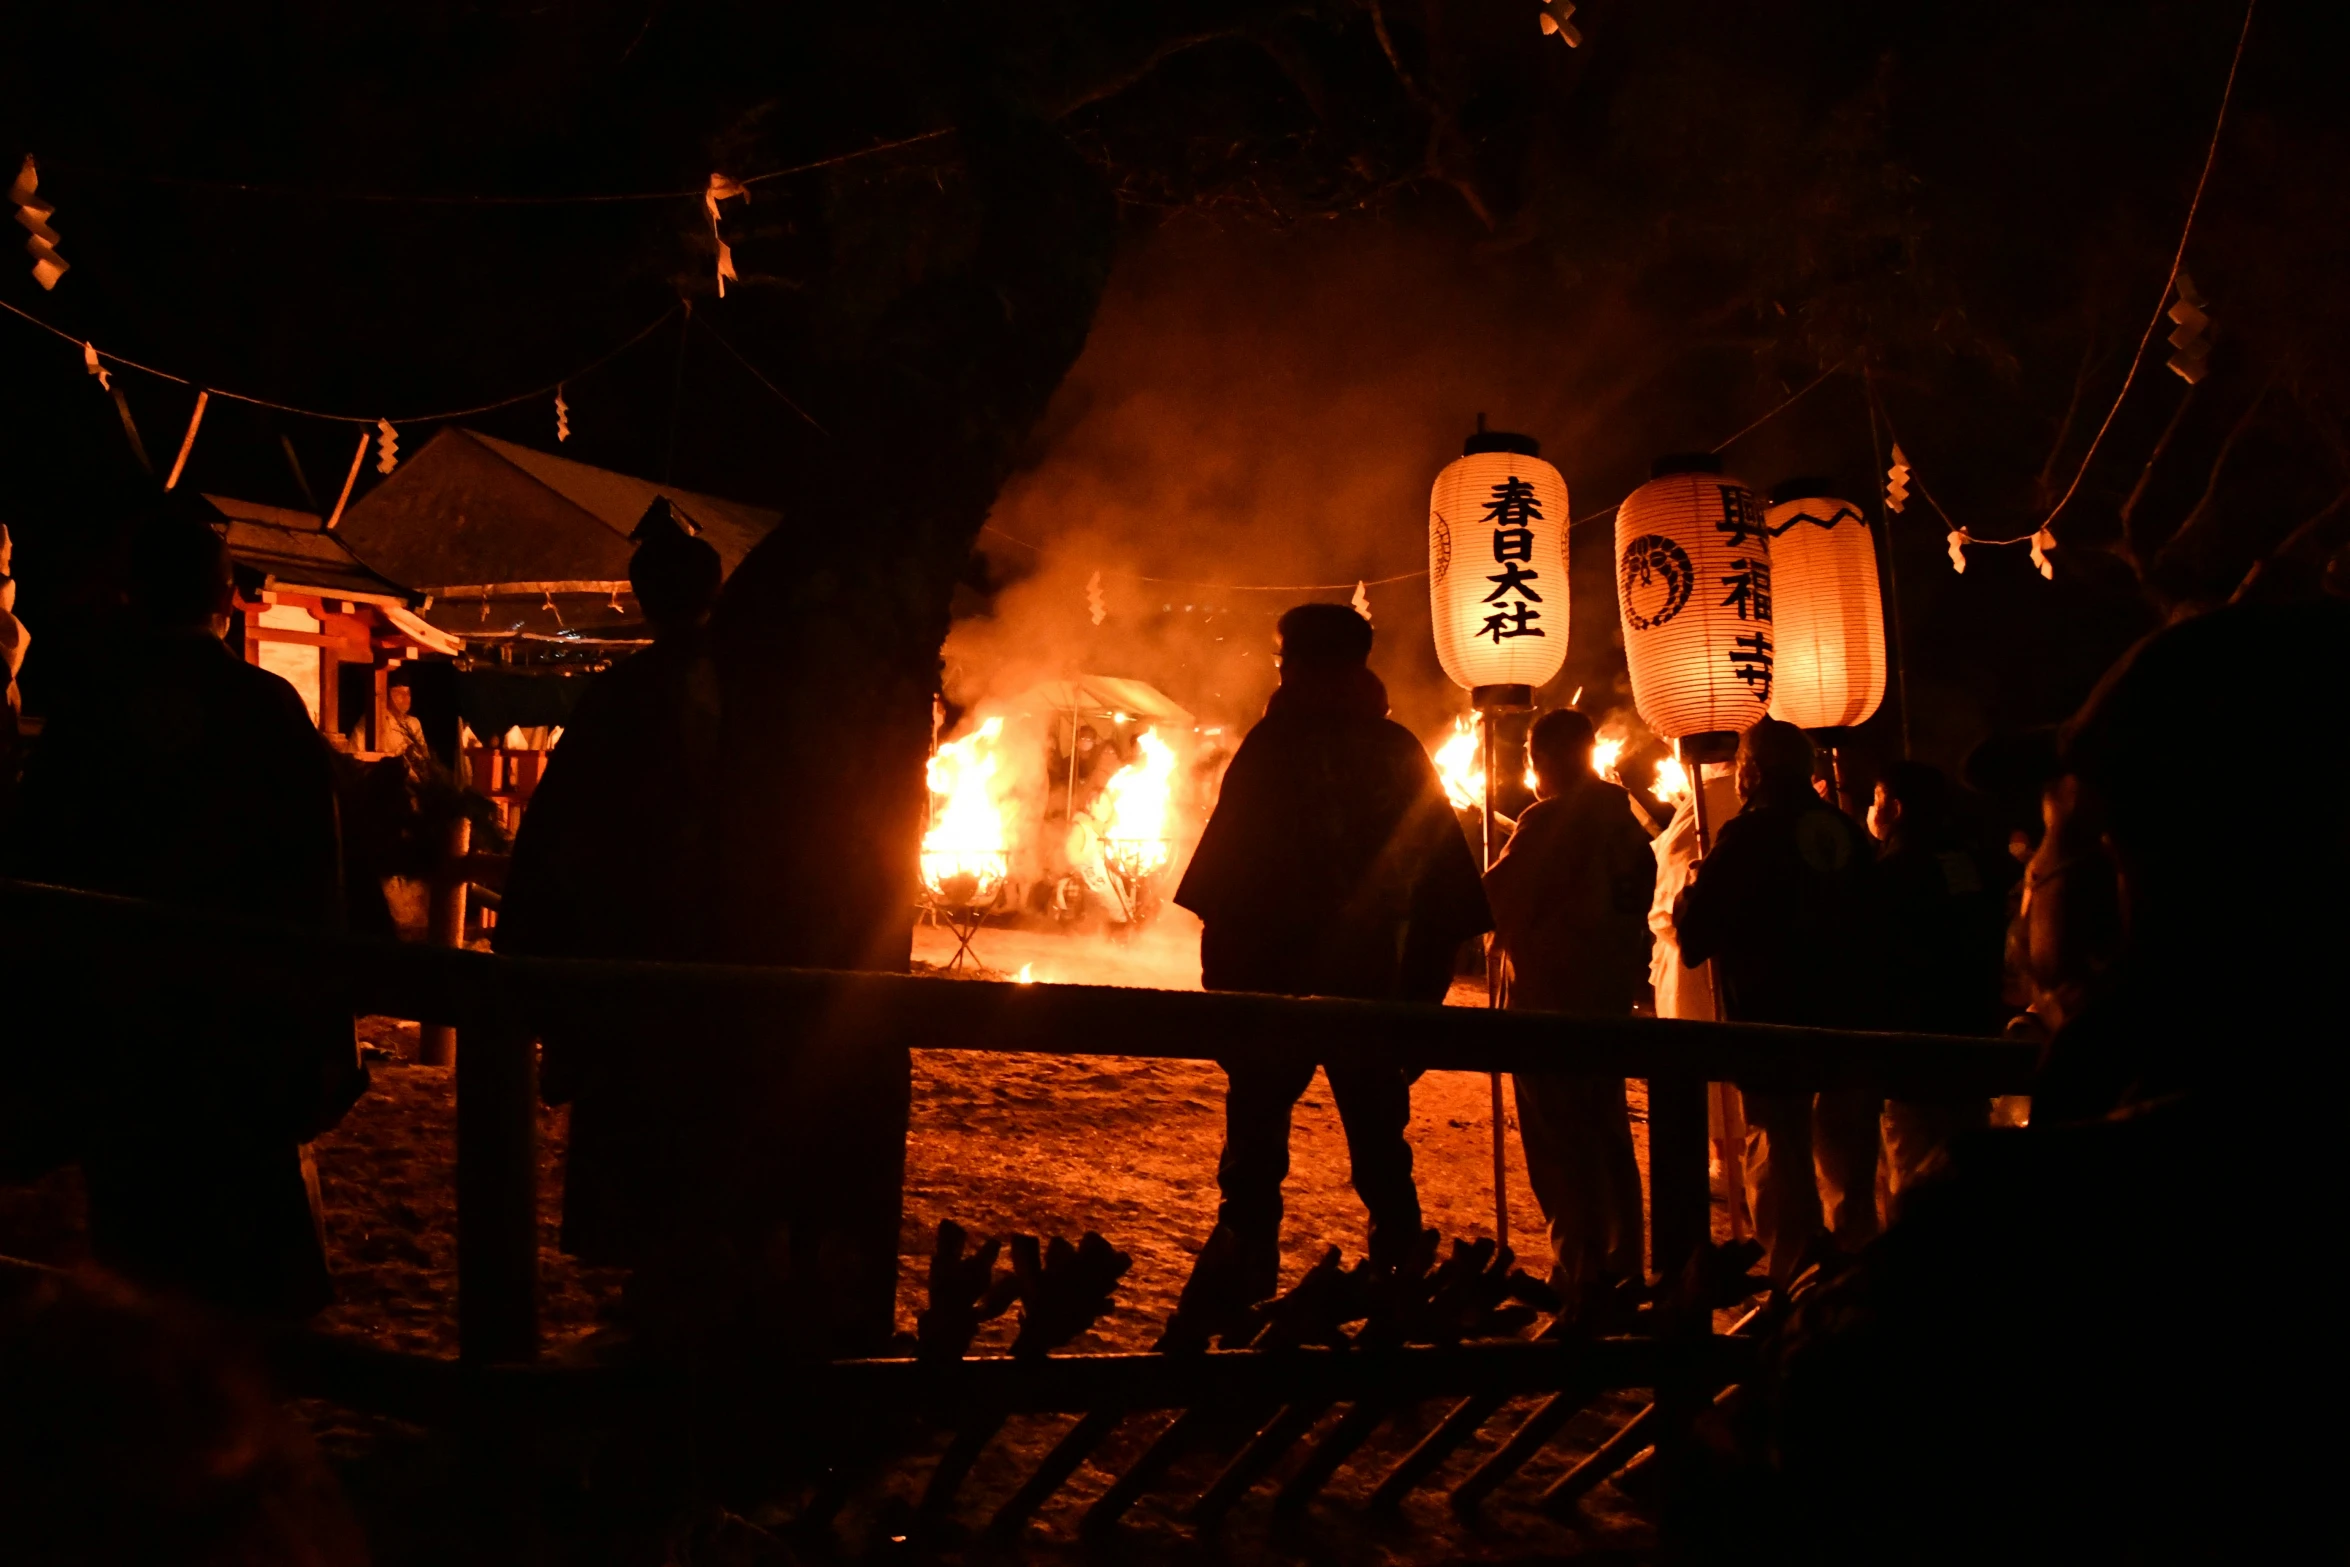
(967,853)
(1131,826)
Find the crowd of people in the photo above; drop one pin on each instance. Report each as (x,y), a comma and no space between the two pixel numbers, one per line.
(2079,1339)
(1333,866)
(2172,965)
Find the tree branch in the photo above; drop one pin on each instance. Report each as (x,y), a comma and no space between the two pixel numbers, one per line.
(1441,129)
(2137,493)
(2219,463)
(2329,432)
(2289,543)
(2044,487)
(1170,48)
(1411,85)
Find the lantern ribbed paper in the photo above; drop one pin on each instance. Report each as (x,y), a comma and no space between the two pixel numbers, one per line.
(1497,564)
(1693,582)
(1830,669)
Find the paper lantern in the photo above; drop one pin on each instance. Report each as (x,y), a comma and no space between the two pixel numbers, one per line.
(1830,667)
(1693,582)
(1497,565)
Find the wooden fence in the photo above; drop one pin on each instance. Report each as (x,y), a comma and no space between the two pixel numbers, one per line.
(500,1005)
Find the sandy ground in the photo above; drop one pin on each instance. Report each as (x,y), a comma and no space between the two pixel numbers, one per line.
(1000,1144)
(1129,1147)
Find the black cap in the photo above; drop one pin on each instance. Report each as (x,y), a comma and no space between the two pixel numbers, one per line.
(1800,488)
(1684,462)
(1501,441)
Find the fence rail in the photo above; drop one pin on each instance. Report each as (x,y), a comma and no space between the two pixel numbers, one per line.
(502,1004)
(500,994)
(62,944)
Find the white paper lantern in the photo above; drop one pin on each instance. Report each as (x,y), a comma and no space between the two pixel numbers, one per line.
(1693,582)
(1830,669)
(1497,564)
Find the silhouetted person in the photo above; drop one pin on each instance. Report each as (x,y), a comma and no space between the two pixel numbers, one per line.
(1785,909)
(611,861)
(2093,1339)
(184,775)
(1944,936)
(1332,866)
(2063,940)
(1570,901)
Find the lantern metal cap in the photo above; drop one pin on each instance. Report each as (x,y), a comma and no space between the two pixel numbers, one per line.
(1801,488)
(1501,441)
(1712,745)
(1501,699)
(1684,462)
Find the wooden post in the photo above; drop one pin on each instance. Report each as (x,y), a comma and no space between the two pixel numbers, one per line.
(497,1197)
(330,694)
(497,1281)
(1680,1193)
(448,928)
(1729,1111)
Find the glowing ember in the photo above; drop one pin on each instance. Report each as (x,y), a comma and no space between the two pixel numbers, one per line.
(1459,765)
(1605,753)
(1136,805)
(1672,780)
(966,853)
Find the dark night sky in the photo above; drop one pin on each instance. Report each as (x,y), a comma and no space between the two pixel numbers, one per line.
(1326,266)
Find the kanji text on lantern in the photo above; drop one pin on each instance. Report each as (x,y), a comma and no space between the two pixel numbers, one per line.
(1512,511)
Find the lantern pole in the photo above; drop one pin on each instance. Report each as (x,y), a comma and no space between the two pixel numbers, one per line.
(1680,1199)
(1829,740)
(1524,501)
(1491,702)
(1692,757)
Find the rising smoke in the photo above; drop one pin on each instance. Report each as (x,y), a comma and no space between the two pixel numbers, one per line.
(1270,408)
(1260,408)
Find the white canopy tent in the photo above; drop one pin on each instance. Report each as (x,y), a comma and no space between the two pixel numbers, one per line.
(1102,696)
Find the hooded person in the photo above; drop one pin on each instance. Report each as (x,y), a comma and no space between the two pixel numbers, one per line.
(1332,866)
(1786,908)
(181,774)
(612,861)
(1945,938)
(1570,894)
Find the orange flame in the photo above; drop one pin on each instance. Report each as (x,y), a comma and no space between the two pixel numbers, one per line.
(1672,780)
(1137,806)
(1462,768)
(966,854)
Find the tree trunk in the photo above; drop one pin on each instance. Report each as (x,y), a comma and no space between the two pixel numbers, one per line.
(828,649)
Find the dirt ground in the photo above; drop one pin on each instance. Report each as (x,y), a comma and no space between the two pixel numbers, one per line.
(1043,1145)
